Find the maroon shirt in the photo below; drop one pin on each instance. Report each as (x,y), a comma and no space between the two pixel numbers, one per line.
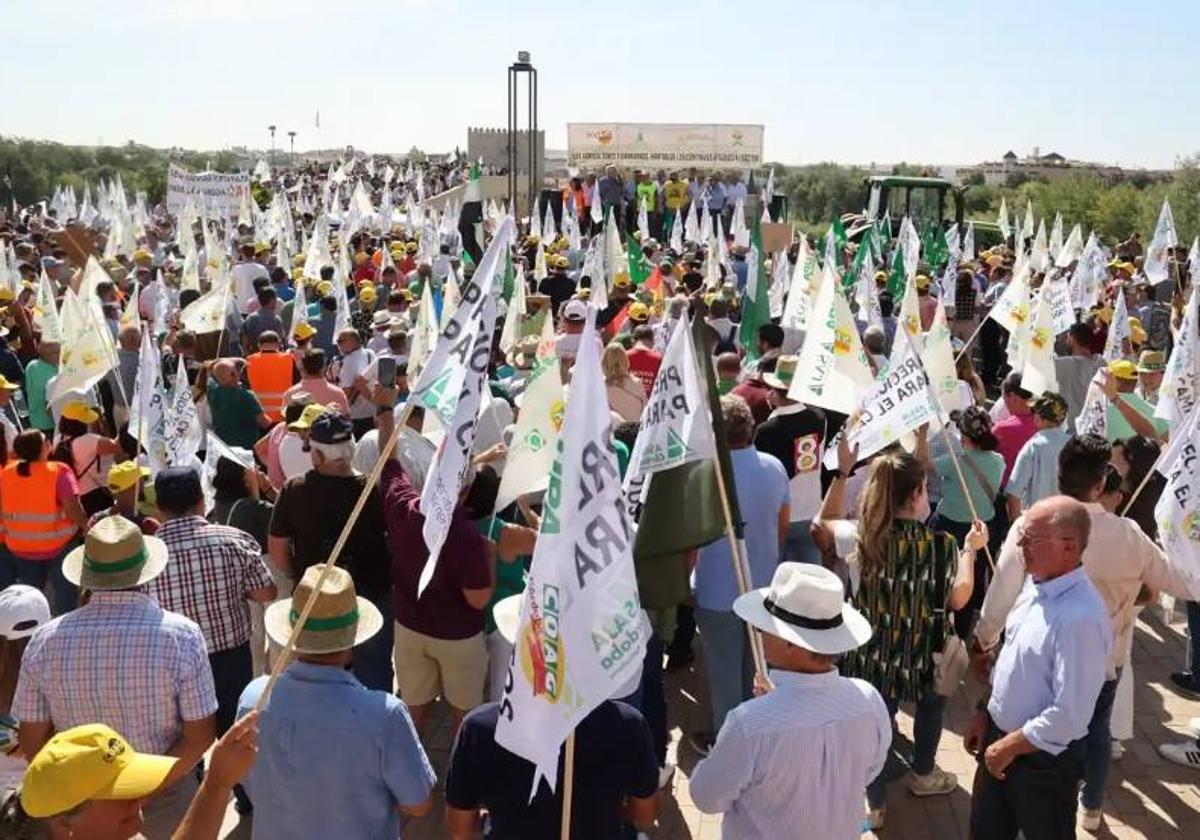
(442,612)
(755,394)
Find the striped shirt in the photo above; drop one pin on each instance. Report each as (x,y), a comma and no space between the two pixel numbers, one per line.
(211,571)
(121,660)
(800,755)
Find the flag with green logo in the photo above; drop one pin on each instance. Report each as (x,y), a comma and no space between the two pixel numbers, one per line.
(897,277)
(639,266)
(756,302)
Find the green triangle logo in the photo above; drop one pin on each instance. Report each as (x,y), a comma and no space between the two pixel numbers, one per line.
(677,450)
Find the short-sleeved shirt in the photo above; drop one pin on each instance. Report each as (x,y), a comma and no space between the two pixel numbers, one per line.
(1013,432)
(953,505)
(353,366)
(1035,475)
(37,375)
(235,413)
(510,576)
(441,612)
(335,758)
(121,660)
(762,489)
(614,759)
(644,364)
(1118,428)
(795,434)
(905,601)
(311,511)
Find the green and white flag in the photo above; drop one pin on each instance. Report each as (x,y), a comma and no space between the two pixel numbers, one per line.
(938,357)
(832,369)
(1178,508)
(1038,374)
(535,436)
(45,312)
(580,636)
(1158,253)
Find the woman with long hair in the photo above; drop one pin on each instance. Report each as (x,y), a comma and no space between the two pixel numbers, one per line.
(86,453)
(41,514)
(626,396)
(910,578)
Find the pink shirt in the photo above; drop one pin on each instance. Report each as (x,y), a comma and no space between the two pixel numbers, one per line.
(323,392)
(1013,432)
(274,438)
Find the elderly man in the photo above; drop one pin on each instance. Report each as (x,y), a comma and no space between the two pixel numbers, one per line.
(762,495)
(1119,560)
(801,754)
(124,661)
(237,416)
(1151,366)
(335,759)
(351,369)
(1030,734)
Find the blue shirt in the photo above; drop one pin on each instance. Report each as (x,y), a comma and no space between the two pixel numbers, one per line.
(1053,663)
(335,759)
(716,197)
(1035,472)
(762,489)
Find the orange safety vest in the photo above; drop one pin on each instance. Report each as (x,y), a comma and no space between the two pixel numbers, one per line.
(33,521)
(270,376)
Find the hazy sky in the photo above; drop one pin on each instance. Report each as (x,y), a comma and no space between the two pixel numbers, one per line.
(955,81)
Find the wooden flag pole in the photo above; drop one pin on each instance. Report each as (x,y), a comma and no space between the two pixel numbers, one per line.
(568,778)
(967,345)
(385,452)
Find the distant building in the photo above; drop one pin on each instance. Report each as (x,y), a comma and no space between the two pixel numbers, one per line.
(491,145)
(1051,167)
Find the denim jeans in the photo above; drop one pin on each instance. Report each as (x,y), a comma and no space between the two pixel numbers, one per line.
(1193,624)
(654,699)
(1099,747)
(798,546)
(728,662)
(35,573)
(373,658)
(232,671)
(927,733)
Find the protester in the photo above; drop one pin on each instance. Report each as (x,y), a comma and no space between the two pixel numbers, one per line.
(126,484)
(237,415)
(313,382)
(270,373)
(85,452)
(122,638)
(1035,472)
(352,365)
(801,753)
(23,610)
(626,394)
(294,780)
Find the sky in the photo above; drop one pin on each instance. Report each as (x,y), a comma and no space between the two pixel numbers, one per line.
(950,82)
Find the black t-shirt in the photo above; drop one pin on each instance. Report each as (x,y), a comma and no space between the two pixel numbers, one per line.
(559,288)
(614,758)
(692,281)
(780,433)
(311,511)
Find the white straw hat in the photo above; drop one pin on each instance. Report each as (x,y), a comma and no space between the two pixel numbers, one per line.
(805,605)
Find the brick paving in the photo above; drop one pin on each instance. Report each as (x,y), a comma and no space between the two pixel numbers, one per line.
(1148,797)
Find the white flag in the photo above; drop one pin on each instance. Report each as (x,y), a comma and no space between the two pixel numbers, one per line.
(1071,249)
(515,316)
(580,635)
(132,316)
(909,317)
(938,357)
(182,423)
(1156,266)
(643,222)
(691,228)
(675,426)
(1056,236)
(1178,508)
(450,388)
(832,369)
(1181,380)
(1002,220)
(1039,255)
(86,354)
(1118,331)
(147,411)
(806,278)
(1038,375)
(1062,314)
(1011,310)
(535,436)
(46,311)
(1027,224)
(676,240)
(208,312)
(968,244)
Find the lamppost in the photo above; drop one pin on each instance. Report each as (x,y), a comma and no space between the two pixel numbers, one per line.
(292,145)
(522,65)
(271,129)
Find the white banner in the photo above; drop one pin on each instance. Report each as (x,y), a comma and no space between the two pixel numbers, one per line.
(222,191)
(665,145)
(900,402)
(1178,508)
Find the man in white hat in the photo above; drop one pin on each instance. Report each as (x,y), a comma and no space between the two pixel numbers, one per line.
(335,759)
(124,661)
(802,753)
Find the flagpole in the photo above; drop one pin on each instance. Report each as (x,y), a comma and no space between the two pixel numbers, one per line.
(1153,469)
(568,777)
(966,346)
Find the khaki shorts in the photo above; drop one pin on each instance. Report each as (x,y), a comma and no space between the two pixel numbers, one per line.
(426,667)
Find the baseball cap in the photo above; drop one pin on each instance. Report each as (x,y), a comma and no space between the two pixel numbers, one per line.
(178,488)
(80,412)
(1123,369)
(575,310)
(310,413)
(639,313)
(304,330)
(124,475)
(23,609)
(89,762)
(331,427)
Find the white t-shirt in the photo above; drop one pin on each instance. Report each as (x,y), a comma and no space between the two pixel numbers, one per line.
(91,469)
(354,365)
(244,274)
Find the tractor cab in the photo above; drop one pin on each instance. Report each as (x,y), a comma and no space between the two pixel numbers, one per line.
(923,200)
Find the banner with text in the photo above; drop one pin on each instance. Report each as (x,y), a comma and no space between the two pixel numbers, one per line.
(221,191)
(665,145)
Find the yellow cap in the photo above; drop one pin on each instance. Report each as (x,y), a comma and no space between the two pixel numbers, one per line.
(411,247)
(922,281)
(1123,369)
(304,330)
(142,255)
(367,294)
(80,411)
(621,281)
(297,274)
(298,261)
(306,418)
(5,385)
(124,475)
(261,247)
(85,763)
(7,295)
(639,312)
(1137,333)
(324,288)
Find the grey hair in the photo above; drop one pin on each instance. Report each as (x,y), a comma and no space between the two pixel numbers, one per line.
(333,451)
(739,420)
(874,339)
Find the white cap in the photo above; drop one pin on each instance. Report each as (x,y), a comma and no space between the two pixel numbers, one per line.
(23,609)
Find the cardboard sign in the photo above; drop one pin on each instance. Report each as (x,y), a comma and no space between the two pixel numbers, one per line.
(776,237)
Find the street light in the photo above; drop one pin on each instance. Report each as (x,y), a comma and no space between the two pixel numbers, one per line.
(522,65)
(292,142)
(271,129)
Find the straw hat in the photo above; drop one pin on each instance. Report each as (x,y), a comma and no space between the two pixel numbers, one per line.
(115,555)
(339,619)
(785,371)
(805,605)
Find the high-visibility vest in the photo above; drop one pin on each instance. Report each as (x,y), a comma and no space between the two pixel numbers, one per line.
(270,376)
(34,523)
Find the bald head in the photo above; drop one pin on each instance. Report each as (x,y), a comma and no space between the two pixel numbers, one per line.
(1054,534)
(225,371)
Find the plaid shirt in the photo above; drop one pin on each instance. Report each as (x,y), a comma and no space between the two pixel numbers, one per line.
(210,572)
(124,661)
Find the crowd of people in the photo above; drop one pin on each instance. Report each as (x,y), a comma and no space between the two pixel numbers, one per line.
(145,600)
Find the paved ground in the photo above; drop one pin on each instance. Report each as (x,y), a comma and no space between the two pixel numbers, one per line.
(1147,796)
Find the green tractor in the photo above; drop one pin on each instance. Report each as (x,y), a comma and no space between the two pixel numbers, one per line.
(924,200)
